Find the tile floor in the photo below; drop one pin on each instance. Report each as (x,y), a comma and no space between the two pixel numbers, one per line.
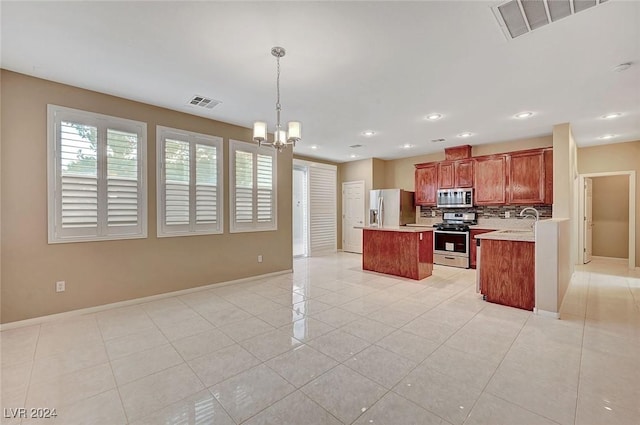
(330,344)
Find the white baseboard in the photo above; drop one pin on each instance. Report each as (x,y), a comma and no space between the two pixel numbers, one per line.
(98,308)
(545,313)
(612,259)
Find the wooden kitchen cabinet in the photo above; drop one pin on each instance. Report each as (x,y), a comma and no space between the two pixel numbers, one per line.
(455,174)
(507,273)
(399,253)
(490,180)
(464,173)
(548,176)
(426,183)
(527,178)
(446,175)
(473,248)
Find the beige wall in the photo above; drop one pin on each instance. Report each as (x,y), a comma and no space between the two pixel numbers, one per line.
(611,216)
(378,174)
(104,272)
(613,158)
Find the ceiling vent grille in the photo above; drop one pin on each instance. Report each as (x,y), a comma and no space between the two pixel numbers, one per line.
(518,17)
(204,102)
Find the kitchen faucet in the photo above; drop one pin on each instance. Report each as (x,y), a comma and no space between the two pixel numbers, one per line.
(535,215)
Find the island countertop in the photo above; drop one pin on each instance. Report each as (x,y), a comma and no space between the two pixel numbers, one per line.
(515,235)
(405,229)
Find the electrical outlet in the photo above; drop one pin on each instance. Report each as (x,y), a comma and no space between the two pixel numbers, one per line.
(433,213)
(507,214)
(60,286)
(259,258)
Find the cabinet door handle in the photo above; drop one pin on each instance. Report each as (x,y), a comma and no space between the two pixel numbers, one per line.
(450,258)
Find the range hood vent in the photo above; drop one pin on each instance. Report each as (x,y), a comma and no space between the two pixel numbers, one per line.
(518,17)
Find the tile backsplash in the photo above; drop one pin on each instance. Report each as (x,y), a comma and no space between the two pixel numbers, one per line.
(493,211)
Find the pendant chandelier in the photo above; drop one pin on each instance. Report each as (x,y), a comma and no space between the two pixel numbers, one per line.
(281,138)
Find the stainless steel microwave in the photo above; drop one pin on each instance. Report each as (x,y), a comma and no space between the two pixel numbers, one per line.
(455,198)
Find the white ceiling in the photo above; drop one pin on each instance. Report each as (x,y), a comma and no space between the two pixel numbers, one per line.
(350,67)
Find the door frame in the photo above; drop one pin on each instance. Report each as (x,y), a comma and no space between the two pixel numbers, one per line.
(364,205)
(305,168)
(631,175)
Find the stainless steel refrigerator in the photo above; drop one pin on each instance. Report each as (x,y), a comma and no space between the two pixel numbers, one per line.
(391,208)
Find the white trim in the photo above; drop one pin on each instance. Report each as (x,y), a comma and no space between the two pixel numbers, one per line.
(632,212)
(99,308)
(545,313)
(305,163)
(610,259)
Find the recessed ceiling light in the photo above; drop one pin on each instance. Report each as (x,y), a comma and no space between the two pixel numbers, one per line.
(622,67)
(314,147)
(607,136)
(434,117)
(353,155)
(406,146)
(368,133)
(523,115)
(612,115)
(465,134)
(438,140)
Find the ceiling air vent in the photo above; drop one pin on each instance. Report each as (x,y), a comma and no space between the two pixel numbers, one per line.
(204,102)
(438,140)
(355,146)
(517,17)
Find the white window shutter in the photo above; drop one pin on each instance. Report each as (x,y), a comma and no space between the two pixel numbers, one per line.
(122,180)
(96,176)
(252,188)
(322,210)
(189,183)
(78,177)
(206,202)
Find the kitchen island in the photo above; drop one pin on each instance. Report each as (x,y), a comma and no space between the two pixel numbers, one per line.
(399,251)
(507,268)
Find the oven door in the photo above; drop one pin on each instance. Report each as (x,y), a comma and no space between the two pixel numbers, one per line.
(451,248)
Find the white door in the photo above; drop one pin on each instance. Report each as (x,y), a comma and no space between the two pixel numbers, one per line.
(352,215)
(588,220)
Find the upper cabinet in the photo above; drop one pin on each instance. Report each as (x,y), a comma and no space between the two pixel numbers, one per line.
(490,180)
(519,178)
(548,176)
(455,174)
(426,183)
(445,175)
(464,173)
(527,178)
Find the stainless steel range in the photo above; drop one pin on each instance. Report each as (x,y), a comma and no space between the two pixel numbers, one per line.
(451,239)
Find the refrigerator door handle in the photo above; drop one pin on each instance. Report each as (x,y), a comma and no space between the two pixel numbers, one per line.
(380,211)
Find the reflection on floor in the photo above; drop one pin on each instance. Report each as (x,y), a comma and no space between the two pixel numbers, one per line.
(330,344)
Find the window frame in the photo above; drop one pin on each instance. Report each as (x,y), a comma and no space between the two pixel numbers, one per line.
(192,138)
(254,149)
(103,123)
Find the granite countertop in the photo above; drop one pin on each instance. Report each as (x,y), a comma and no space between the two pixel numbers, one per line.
(405,229)
(517,235)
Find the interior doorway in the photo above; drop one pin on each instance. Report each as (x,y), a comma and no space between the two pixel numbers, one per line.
(589,222)
(300,212)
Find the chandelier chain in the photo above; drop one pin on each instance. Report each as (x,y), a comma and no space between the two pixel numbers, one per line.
(278,92)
